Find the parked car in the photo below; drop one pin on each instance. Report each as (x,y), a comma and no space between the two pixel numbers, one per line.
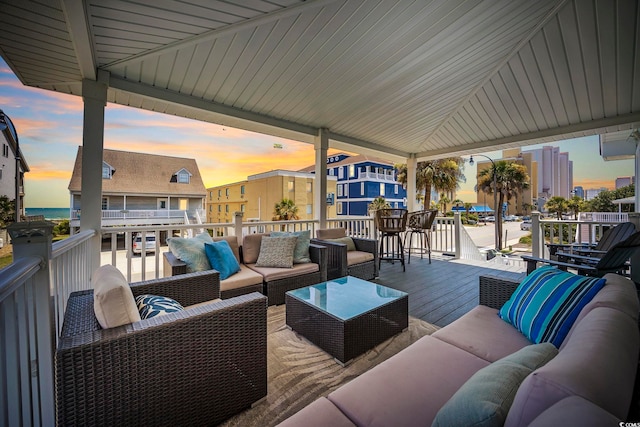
(525,225)
(150,243)
(510,218)
(490,218)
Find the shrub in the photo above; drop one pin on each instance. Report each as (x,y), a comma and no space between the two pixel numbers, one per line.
(62,228)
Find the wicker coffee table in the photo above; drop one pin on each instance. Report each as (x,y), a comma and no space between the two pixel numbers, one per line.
(347,316)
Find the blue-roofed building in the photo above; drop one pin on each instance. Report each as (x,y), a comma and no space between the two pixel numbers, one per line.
(360,179)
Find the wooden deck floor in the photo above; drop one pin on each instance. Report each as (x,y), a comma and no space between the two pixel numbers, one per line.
(444,290)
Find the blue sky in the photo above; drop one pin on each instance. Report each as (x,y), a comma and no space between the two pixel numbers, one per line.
(49,126)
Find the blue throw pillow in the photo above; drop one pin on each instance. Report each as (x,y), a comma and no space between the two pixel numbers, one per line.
(154,305)
(221,258)
(547,302)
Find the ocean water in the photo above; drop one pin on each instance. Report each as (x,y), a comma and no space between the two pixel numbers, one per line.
(49,213)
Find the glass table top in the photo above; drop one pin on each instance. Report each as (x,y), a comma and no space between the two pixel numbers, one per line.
(347,297)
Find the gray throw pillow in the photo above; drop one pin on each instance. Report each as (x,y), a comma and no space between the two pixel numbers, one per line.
(486,397)
(276,252)
(301,252)
(191,251)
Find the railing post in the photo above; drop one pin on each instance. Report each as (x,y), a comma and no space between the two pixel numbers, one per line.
(33,239)
(536,235)
(237,222)
(634,217)
(457,224)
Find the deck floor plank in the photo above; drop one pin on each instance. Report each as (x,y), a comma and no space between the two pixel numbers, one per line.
(444,290)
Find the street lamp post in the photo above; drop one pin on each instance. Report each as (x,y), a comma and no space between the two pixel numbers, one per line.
(495,198)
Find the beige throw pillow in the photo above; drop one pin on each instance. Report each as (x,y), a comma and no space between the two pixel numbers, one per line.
(113,301)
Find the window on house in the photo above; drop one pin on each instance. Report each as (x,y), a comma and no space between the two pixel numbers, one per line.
(339,190)
(210,195)
(352,171)
(339,208)
(219,193)
(340,173)
(291,185)
(107,171)
(226,208)
(362,188)
(105,203)
(219,208)
(242,190)
(382,188)
(309,209)
(5,150)
(210,208)
(346,190)
(309,187)
(242,207)
(226,192)
(395,189)
(183,177)
(0,173)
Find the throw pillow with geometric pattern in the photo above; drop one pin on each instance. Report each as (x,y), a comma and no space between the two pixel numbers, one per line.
(276,252)
(154,305)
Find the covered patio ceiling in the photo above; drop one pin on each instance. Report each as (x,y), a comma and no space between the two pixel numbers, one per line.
(405,78)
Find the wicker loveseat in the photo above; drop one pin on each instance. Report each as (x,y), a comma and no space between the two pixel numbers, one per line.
(361,261)
(198,366)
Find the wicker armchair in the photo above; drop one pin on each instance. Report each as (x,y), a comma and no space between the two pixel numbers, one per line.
(194,367)
(341,262)
(495,291)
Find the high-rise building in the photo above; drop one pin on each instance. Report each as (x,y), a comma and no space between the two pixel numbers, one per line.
(624,181)
(578,191)
(555,172)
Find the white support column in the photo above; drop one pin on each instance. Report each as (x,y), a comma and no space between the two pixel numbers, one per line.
(94,94)
(321,145)
(412,166)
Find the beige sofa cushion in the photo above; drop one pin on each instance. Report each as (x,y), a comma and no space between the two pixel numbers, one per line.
(484,334)
(409,388)
(271,273)
(575,411)
(251,247)
(113,301)
(598,362)
(245,277)
(358,257)
(331,233)
(320,413)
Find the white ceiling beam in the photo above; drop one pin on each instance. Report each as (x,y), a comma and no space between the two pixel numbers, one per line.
(592,127)
(78,25)
(343,142)
(198,103)
(223,31)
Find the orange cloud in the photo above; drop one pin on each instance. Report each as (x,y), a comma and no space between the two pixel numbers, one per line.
(40,173)
(595,183)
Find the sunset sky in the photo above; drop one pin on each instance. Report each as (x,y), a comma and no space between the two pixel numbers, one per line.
(49,127)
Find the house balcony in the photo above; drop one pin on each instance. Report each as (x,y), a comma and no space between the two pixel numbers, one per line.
(128,217)
(374,176)
(35,288)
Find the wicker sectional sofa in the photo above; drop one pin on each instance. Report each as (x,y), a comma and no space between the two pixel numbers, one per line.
(272,282)
(590,381)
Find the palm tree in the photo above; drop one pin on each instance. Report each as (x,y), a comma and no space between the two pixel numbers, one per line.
(511,179)
(443,175)
(443,203)
(576,204)
(285,210)
(376,204)
(558,205)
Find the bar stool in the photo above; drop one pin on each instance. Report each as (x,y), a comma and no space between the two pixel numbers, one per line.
(391,223)
(420,223)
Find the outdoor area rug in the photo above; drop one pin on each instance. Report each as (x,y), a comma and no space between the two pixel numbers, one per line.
(299,372)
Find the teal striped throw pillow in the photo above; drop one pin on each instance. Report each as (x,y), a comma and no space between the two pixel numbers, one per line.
(547,302)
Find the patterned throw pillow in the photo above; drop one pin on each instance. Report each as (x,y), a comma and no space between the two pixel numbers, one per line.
(154,305)
(547,302)
(301,252)
(221,258)
(276,252)
(191,251)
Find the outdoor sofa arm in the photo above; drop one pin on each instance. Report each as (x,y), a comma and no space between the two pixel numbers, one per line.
(495,291)
(336,257)
(366,245)
(187,289)
(172,265)
(318,254)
